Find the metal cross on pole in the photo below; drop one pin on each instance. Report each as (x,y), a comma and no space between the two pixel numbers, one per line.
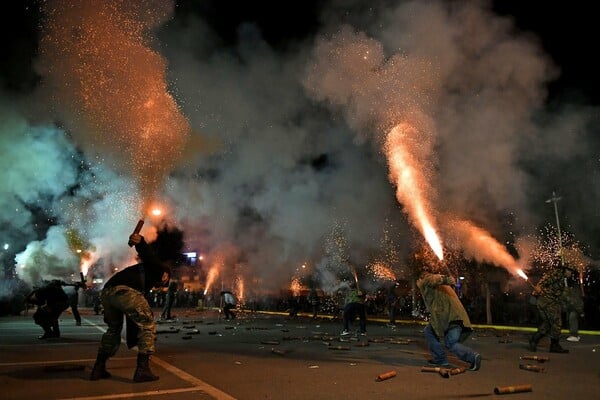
(554,199)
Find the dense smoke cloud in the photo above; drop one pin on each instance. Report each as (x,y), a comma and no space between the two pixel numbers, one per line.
(296,142)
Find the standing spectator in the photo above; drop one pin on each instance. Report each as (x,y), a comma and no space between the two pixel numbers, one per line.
(229,302)
(123,295)
(574,309)
(51,301)
(355,306)
(392,300)
(170,298)
(551,292)
(73,295)
(449,320)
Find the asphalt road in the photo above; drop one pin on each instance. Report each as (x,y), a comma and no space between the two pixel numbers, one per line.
(269,356)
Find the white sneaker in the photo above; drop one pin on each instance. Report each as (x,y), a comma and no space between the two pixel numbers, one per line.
(573,339)
(345,333)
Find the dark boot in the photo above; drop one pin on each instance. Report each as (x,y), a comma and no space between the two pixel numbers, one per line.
(99,371)
(556,348)
(142,372)
(534,340)
(55,329)
(47,333)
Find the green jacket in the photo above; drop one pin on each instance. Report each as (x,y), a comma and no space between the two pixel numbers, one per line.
(442,303)
(355,296)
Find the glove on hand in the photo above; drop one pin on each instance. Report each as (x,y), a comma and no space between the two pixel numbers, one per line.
(134,238)
(448,280)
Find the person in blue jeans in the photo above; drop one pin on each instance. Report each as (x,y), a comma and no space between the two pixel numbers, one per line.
(448,322)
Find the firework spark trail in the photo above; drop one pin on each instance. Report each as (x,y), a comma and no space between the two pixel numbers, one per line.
(407,173)
(97,63)
(480,244)
(212,275)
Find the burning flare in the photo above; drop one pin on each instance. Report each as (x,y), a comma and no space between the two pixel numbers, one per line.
(406,172)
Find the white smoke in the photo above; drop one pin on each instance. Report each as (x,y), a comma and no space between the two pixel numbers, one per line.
(295,141)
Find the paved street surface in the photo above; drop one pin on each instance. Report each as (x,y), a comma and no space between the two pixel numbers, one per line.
(269,356)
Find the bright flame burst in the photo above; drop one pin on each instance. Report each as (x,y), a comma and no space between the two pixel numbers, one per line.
(522,274)
(296,286)
(401,147)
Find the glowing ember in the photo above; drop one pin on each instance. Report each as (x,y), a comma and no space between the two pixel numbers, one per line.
(522,274)
(407,173)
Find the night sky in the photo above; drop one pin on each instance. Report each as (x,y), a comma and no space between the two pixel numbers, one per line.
(286,160)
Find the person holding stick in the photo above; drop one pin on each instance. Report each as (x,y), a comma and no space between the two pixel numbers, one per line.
(449,320)
(123,295)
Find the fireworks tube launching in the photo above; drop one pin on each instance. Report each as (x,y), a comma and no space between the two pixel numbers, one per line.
(407,173)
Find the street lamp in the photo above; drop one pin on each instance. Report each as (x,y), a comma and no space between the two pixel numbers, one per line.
(554,199)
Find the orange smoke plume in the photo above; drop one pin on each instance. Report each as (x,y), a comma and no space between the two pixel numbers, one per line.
(482,246)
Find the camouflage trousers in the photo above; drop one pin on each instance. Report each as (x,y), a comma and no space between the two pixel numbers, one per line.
(550,316)
(118,302)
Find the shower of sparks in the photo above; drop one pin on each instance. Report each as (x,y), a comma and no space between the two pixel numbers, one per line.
(381,271)
(407,174)
(213,274)
(547,251)
(239,285)
(97,63)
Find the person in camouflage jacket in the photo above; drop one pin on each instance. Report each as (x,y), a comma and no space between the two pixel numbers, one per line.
(552,292)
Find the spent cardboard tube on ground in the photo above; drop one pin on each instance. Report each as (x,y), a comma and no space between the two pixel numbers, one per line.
(535,358)
(385,375)
(534,368)
(444,372)
(513,389)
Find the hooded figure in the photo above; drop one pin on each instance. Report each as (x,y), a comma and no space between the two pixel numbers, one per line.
(51,300)
(449,320)
(123,295)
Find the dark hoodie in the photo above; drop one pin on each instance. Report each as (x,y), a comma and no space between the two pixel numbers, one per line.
(143,276)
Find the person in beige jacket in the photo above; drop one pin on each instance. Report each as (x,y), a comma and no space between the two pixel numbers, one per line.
(448,322)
